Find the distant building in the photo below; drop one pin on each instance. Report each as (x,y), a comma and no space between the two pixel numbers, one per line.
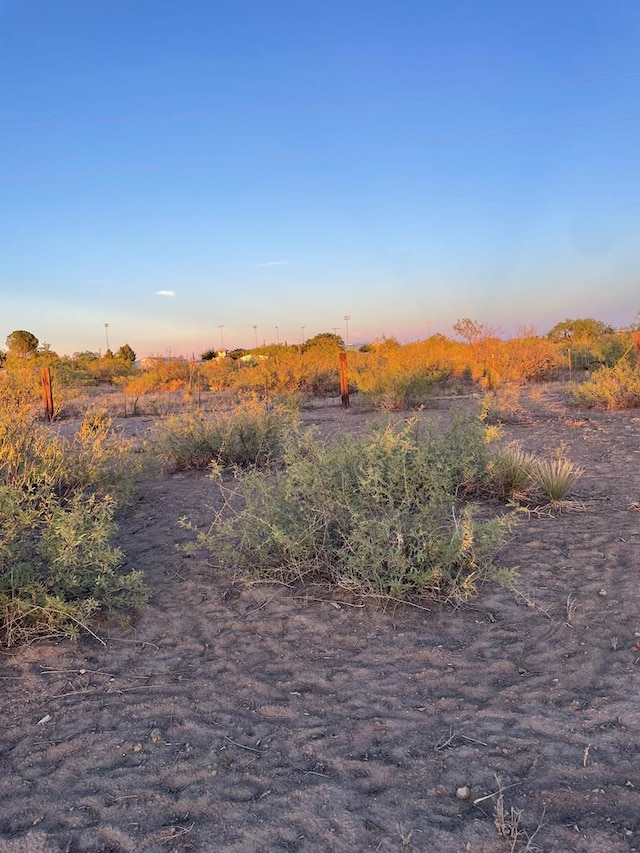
(150,361)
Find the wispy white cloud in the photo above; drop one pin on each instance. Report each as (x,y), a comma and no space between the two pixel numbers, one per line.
(273,264)
(165,293)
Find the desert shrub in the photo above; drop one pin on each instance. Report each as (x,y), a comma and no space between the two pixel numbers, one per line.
(20,380)
(217,373)
(604,350)
(99,458)
(57,501)
(32,456)
(381,515)
(25,453)
(528,357)
(401,390)
(616,387)
(395,377)
(253,433)
(501,405)
(281,370)
(57,566)
(284,370)
(159,375)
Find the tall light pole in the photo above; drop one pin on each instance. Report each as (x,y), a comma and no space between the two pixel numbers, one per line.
(277,336)
(255,332)
(106,333)
(346,319)
(303,328)
(221,327)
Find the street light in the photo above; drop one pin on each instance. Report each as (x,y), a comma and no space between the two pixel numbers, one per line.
(346,319)
(255,332)
(277,336)
(106,333)
(303,328)
(221,327)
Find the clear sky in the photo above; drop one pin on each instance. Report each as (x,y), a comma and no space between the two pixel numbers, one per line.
(169,167)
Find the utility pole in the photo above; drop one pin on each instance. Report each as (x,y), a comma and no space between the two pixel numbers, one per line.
(255,332)
(106,333)
(221,327)
(277,336)
(346,318)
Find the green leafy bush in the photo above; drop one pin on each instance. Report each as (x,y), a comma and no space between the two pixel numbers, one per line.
(382,515)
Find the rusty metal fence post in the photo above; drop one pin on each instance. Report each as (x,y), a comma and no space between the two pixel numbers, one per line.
(344,381)
(47,392)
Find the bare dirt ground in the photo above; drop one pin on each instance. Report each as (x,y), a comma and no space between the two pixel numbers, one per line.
(237,719)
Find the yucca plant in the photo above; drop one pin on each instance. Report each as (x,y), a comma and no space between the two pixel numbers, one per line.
(555,478)
(511,473)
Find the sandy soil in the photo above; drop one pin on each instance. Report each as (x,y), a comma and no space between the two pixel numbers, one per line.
(237,719)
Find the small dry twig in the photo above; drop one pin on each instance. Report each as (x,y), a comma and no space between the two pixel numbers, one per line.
(495,793)
(242,746)
(176,832)
(452,736)
(125,640)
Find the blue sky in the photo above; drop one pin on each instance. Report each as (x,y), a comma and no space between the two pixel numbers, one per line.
(172,167)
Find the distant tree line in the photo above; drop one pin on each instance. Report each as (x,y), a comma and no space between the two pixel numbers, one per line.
(23,347)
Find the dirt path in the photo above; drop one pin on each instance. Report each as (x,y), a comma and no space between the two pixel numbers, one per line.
(251,720)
